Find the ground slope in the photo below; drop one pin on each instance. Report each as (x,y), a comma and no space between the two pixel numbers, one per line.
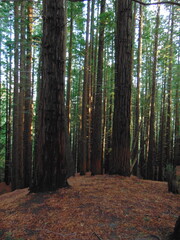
(100,207)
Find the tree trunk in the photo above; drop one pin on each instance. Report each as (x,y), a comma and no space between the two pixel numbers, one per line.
(120,163)
(7,176)
(53,161)
(96,158)
(161,152)
(83,157)
(168,148)
(14,178)
(177,122)
(20,180)
(27,137)
(152,144)
(69,80)
(135,154)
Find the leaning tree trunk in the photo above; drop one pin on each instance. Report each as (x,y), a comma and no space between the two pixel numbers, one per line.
(120,163)
(53,161)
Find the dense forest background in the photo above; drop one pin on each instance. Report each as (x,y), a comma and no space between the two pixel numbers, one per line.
(96,125)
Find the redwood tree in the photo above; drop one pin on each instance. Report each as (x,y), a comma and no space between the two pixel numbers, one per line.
(52,159)
(96,158)
(120,163)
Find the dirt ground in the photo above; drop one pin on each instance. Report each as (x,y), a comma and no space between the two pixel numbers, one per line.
(93,208)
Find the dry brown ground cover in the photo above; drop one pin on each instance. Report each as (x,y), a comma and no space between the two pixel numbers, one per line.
(100,207)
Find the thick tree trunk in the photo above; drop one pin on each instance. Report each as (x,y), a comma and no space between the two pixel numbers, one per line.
(120,163)
(53,161)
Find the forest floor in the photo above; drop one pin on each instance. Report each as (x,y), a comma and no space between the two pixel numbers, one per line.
(93,208)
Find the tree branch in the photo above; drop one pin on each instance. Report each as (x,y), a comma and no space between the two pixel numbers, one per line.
(156,3)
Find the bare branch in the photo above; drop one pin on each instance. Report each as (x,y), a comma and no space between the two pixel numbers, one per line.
(156,3)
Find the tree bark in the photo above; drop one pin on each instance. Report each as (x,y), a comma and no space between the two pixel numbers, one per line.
(96,158)
(53,158)
(69,80)
(135,155)
(27,135)
(168,148)
(120,163)
(83,157)
(152,145)
(14,177)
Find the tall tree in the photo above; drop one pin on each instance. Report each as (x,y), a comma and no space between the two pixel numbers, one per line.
(135,155)
(20,180)
(27,134)
(14,178)
(169,95)
(152,145)
(120,163)
(83,157)
(69,80)
(7,175)
(96,158)
(52,158)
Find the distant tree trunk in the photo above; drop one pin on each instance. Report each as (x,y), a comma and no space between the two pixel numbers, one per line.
(177,124)
(0,82)
(14,178)
(37,114)
(96,158)
(135,154)
(53,161)
(168,148)
(7,176)
(20,183)
(161,152)
(69,80)
(177,134)
(152,145)
(120,163)
(27,138)
(108,144)
(83,157)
